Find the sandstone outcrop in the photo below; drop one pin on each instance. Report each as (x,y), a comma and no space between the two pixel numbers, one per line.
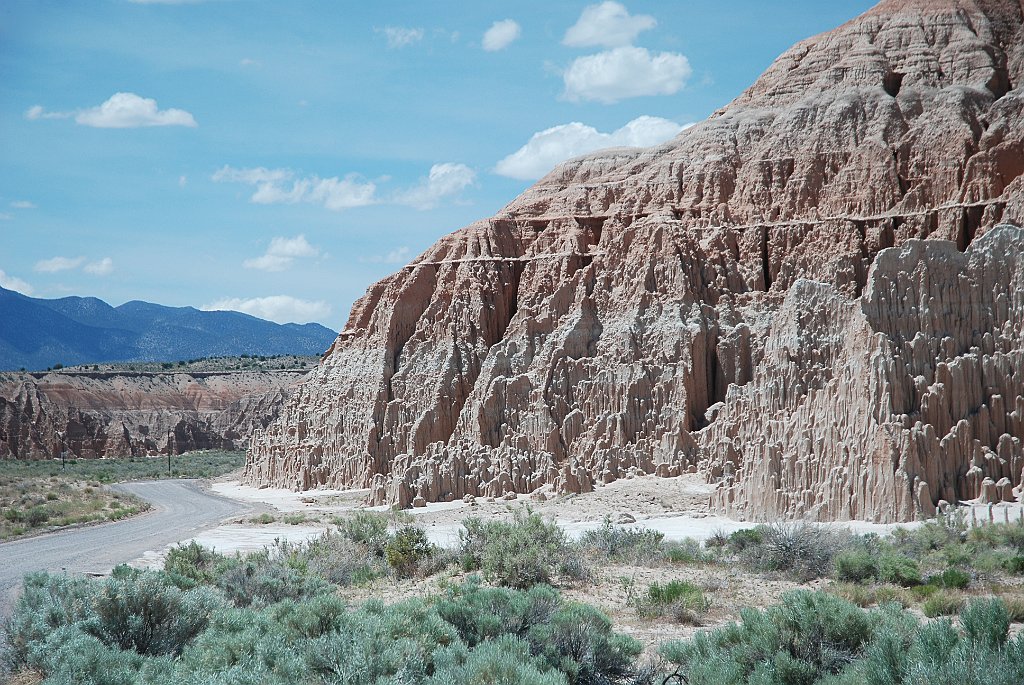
(804,298)
(133,414)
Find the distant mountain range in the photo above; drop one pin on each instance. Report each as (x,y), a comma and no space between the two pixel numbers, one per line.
(37,333)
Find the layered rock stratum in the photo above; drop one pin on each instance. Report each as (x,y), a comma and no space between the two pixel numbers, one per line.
(124,414)
(814,298)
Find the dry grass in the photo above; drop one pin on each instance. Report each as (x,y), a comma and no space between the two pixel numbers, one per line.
(32,505)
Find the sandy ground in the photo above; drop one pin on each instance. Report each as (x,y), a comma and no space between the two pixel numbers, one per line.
(677,507)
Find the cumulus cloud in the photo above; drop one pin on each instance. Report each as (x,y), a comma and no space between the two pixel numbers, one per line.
(607,24)
(275,186)
(100,267)
(501,34)
(121,110)
(279,308)
(400,36)
(551,146)
(23,204)
(282,253)
(399,255)
(14,283)
(56,264)
(444,180)
(128,110)
(625,72)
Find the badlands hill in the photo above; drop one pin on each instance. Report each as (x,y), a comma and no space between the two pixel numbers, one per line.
(128,413)
(815,299)
(39,333)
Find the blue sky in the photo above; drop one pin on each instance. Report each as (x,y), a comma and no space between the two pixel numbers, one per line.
(279,156)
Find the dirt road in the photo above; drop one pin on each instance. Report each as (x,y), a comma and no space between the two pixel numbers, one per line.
(180,510)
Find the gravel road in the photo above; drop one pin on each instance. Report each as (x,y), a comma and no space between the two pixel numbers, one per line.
(180,510)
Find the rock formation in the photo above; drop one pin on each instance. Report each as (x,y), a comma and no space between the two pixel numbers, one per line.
(133,414)
(804,298)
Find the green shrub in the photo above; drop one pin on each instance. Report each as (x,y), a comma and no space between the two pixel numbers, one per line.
(952,578)
(520,553)
(47,603)
(406,549)
(856,566)
(687,551)
(986,622)
(634,544)
(294,519)
(368,528)
(339,560)
(264,577)
(899,569)
(807,636)
(75,658)
(263,519)
(801,550)
(942,603)
(740,540)
(141,611)
(682,601)
(505,661)
(1015,565)
(193,562)
(575,639)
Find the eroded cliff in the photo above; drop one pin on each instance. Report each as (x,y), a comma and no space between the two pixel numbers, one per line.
(122,414)
(802,298)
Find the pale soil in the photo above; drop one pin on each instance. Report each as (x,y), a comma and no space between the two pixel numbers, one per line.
(678,507)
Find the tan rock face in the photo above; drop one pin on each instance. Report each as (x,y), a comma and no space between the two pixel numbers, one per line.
(133,414)
(769,299)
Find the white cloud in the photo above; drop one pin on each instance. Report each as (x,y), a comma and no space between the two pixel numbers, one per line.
(101,267)
(281,253)
(551,146)
(445,180)
(501,35)
(182,181)
(282,186)
(55,264)
(249,62)
(14,283)
(23,204)
(128,110)
(4,216)
(121,110)
(399,255)
(400,36)
(279,308)
(625,72)
(37,112)
(608,24)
